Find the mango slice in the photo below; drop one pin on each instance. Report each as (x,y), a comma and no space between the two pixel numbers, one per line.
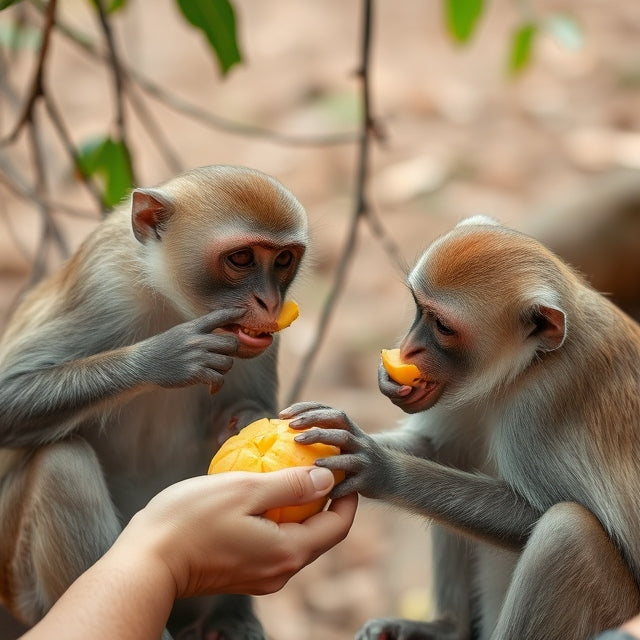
(399,371)
(268,445)
(289,312)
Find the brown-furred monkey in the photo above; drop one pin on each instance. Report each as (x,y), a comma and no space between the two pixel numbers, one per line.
(525,431)
(107,370)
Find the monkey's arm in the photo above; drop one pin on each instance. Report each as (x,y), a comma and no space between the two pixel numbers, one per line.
(43,397)
(474,504)
(409,438)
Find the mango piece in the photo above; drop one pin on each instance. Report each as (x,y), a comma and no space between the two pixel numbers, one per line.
(289,312)
(268,445)
(399,371)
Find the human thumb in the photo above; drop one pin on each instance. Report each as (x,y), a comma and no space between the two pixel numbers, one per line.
(293,486)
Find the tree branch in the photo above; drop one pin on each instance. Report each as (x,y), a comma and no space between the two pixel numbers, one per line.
(192,111)
(360,209)
(50,231)
(116,67)
(65,138)
(155,132)
(18,185)
(119,78)
(37,83)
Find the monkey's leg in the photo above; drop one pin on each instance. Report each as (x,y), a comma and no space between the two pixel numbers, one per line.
(493,572)
(452,570)
(56,519)
(570,581)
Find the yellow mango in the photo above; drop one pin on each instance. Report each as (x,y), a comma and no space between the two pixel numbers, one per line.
(268,445)
(288,314)
(399,371)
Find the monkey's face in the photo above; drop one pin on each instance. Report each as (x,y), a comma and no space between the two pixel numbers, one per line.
(223,237)
(253,276)
(484,312)
(435,344)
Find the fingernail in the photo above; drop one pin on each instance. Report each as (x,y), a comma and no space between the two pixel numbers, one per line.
(321,478)
(284,411)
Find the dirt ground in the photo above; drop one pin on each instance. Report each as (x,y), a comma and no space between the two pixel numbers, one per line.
(460,138)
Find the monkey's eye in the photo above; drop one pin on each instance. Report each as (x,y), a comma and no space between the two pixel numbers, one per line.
(443,328)
(284,259)
(243,258)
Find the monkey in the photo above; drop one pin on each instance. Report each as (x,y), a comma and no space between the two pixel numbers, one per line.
(123,372)
(521,443)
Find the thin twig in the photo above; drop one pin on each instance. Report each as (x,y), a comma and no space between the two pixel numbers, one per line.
(21,190)
(390,247)
(230,126)
(192,111)
(37,82)
(155,131)
(119,78)
(116,68)
(67,143)
(360,209)
(50,231)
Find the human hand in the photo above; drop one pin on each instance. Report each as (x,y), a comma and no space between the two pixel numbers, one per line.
(206,533)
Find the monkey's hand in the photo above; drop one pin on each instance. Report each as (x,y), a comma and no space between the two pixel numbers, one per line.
(411,399)
(393,390)
(363,460)
(190,353)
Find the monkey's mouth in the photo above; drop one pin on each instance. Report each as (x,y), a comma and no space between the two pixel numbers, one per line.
(423,396)
(254,339)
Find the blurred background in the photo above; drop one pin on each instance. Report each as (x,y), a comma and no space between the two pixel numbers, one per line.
(551,147)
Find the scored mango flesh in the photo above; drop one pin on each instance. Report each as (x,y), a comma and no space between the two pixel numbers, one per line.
(399,371)
(289,312)
(269,445)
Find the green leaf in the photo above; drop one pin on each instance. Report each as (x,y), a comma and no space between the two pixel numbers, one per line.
(521,47)
(112,6)
(565,31)
(217,20)
(7,3)
(461,17)
(109,160)
(109,6)
(19,37)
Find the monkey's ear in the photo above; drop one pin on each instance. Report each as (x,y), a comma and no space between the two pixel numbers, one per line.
(149,213)
(549,326)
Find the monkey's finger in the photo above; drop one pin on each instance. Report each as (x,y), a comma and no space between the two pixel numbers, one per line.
(350,463)
(226,344)
(389,387)
(340,438)
(218,318)
(218,362)
(301,407)
(324,417)
(213,378)
(344,488)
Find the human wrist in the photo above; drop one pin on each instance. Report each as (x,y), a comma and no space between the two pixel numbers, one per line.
(143,551)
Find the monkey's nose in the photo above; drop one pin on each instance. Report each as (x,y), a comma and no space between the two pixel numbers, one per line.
(269,306)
